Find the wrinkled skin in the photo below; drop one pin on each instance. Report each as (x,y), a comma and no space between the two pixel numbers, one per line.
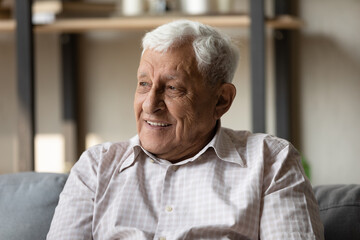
(176,110)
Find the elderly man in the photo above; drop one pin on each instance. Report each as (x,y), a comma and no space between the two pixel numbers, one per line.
(184,176)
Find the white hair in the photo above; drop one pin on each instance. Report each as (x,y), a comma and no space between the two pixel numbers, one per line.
(216,55)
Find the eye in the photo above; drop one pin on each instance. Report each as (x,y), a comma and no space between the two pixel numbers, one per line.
(143,84)
(172,87)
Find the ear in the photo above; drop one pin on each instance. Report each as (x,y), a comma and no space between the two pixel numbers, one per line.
(226,95)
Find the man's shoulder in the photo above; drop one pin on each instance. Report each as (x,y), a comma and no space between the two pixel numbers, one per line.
(111,147)
(245,135)
(107,155)
(255,141)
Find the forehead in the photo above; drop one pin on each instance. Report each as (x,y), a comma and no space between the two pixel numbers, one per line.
(175,61)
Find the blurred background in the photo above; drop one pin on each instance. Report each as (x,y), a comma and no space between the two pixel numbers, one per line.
(324,94)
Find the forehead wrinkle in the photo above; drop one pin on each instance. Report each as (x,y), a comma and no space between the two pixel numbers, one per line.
(171,67)
(183,69)
(146,69)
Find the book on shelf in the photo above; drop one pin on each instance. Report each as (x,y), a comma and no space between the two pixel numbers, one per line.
(5,11)
(49,10)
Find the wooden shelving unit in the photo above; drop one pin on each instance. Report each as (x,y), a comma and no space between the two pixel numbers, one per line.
(71,25)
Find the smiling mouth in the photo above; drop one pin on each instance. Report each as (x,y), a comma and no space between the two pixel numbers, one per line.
(157,124)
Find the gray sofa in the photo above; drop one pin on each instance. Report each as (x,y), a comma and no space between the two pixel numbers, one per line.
(28,201)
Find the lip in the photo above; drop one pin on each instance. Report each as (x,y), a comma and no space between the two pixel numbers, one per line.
(159,124)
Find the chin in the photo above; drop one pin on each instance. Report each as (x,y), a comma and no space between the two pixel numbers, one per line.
(151,145)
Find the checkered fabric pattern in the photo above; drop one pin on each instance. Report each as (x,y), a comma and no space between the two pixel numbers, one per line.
(240,186)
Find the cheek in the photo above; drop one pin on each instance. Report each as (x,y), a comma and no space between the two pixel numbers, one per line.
(201,113)
(137,113)
(138,100)
(184,113)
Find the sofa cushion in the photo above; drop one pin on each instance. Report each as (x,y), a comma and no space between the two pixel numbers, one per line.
(27,204)
(339,210)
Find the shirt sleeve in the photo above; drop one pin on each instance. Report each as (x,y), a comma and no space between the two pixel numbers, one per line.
(289,208)
(74,213)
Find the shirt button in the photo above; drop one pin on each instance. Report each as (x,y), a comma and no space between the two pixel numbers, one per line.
(162,238)
(169,208)
(152,160)
(175,167)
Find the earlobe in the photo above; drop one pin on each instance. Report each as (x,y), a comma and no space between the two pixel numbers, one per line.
(227,92)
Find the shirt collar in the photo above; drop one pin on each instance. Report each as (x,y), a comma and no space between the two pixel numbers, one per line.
(225,147)
(222,144)
(134,144)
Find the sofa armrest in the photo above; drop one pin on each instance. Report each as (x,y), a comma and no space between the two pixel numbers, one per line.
(339,210)
(27,204)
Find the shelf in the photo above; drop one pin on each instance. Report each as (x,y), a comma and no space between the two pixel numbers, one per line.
(7,25)
(150,22)
(79,8)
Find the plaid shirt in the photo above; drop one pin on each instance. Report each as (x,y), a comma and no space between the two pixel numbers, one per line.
(240,186)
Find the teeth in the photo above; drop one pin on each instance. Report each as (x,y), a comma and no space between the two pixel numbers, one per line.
(158,124)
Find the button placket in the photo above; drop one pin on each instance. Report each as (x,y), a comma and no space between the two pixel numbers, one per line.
(169,209)
(166,216)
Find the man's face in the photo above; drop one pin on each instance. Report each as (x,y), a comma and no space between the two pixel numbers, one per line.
(174,106)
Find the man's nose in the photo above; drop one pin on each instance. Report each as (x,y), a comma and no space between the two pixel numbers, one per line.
(154,101)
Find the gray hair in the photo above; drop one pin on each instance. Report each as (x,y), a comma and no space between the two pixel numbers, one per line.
(216,55)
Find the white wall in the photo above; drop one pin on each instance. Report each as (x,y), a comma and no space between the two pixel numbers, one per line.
(329,83)
(109,83)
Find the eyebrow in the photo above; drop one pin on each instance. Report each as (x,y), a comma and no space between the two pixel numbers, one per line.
(142,74)
(168,77)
